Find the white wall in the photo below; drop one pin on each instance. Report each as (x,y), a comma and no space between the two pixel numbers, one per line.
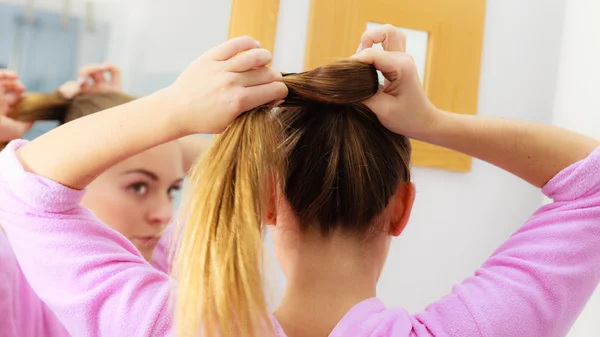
(156,40)
(577,106)
(77,8)
(459,219)
(151,40)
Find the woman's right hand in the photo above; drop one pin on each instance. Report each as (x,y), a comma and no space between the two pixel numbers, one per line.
(521,148)
(222,84)
(402,106)
(94,79)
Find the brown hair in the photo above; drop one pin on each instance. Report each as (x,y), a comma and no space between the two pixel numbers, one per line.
(338,168)
(54,107)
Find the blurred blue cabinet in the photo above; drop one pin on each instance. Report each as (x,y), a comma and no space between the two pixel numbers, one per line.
(45,51)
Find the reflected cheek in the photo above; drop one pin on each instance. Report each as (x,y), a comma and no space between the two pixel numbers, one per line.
(118,210)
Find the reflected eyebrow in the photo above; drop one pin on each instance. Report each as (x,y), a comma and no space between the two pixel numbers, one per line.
(147,173)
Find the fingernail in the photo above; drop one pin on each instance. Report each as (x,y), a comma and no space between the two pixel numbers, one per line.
(257,43)
(360,48)
(80,80)
(276,104)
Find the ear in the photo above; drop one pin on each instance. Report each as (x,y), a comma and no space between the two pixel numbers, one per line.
(403,203)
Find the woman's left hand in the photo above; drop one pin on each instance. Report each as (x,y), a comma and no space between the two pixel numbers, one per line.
(226,81)
(11,92)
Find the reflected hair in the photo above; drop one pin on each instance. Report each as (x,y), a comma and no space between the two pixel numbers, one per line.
(55,107)
(337,166)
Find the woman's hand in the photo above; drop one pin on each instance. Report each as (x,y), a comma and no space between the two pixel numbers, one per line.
(11,91)
(402,106)
(223,83)
(521,148)
(98,78)
(93,79)
(206,98)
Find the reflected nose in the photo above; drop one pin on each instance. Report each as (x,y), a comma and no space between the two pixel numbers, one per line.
(162,212)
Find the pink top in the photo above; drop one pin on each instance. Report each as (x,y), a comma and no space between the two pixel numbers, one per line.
(22,312)
(99,285)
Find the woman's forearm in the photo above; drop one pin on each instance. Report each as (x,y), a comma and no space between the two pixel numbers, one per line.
(532,151)
(75,153)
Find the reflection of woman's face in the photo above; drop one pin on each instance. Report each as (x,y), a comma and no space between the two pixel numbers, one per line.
(135,197)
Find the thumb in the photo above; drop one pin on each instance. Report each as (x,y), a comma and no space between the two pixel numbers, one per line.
(381,104)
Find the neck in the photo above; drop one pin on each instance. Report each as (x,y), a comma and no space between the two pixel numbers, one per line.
(328,277)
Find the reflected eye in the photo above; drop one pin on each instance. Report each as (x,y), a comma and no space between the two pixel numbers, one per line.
(139,188)
(173,191)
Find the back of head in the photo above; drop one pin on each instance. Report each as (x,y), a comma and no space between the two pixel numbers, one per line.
(54,107)
(338,168)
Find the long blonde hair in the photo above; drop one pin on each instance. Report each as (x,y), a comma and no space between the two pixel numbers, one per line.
(338,168)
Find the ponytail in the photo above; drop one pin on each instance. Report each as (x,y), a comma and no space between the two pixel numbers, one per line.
(337,165)
(41,107)
(218,261)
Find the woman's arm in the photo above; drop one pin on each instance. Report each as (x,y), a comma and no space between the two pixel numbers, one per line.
(533,152)
(77,152)
(538,281)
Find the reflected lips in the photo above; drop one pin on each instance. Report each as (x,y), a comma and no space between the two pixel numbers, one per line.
(147,241)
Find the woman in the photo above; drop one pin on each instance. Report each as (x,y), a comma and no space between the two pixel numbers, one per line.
(533,285)
(134,197)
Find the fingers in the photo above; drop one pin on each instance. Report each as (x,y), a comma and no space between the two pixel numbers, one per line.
(262,75)
(98,77)
(8,74)
(93,77)
(12,84)
(13,98)
(11,90)
(249,60)
(11,129)
(89,69)
(232,47)
(9,81)
(95,71)
(391,64)
(390,37)
(262,94)
(70,89)
(115,74)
